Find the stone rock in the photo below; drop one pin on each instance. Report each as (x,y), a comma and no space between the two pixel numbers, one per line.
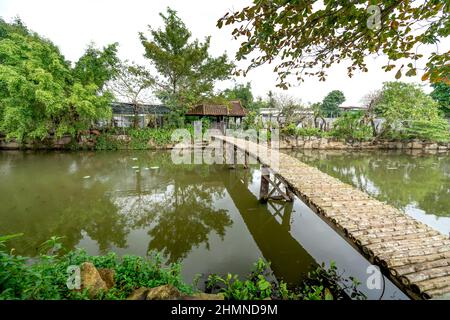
(392,145)
(284,144)
(123,137)
(9,145)
(107,275)
(323,143)
(95,132)
(166,292)
(207,296)
(431,146)
(91,280)
(63,141)
(417,145)
(139,294)
(307,144)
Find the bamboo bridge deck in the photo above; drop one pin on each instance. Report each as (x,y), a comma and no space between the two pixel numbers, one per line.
(411,254)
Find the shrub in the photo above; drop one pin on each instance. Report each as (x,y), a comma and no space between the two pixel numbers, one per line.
(139,139)
(292,130)
(433,130)
(46,277)
(310,132)
(350,126)
(410,113)
(320,284)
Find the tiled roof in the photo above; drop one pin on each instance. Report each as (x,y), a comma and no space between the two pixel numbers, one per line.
(234,110)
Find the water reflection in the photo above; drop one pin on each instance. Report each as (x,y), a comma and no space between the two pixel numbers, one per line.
(207,216)
(270,229)
(105,197)
(418,184)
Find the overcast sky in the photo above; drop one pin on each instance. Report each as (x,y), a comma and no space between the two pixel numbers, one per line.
(73,24)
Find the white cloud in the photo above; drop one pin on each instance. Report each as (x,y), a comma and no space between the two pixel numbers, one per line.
(73,24)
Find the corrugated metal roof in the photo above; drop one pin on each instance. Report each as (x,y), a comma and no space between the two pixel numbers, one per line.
(127,108)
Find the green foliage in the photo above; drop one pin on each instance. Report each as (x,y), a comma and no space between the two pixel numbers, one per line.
(351,126)
(330,104)
(187,73)
(327,284)
(309,132)
(320,284)
(410,113)
(289,130)
(108,141)
(130,84)
(3,239)
(41,94)
(252,121)
(441,93)
(255,287)
(244,94)
(46,277)
(308,36)
(97,66)
(292,130)
(140,139)
(432,130)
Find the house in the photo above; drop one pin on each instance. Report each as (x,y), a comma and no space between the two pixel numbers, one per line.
(148,114)
(273,114)
(223,115)
(153,114)
(352,108)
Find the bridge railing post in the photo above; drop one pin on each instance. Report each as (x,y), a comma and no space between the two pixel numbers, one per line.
(264,189)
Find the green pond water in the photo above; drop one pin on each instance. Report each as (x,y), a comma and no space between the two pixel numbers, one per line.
(417,184)
(206,216)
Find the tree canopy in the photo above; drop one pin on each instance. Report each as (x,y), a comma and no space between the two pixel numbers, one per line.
(186,71)
(41,94)
(310,36)
(441,93)
(330,104)
(409,112)
(240,92)
(131,84)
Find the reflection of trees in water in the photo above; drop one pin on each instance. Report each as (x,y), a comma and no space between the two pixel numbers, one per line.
(399,179)
(45,194)
(40,202)
(181,213)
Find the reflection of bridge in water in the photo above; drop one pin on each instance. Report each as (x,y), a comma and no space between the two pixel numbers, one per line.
(289,260)
(411,254)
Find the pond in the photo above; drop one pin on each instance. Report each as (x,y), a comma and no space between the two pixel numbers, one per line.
(206,216)
(418,184)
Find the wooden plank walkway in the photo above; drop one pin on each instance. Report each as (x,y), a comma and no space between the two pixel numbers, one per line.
(411,254)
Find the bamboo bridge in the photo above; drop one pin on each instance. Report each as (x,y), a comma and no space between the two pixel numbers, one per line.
(411,254)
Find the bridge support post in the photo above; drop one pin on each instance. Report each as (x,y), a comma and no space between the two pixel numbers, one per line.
(233,156)
(246,155)
(264,189)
